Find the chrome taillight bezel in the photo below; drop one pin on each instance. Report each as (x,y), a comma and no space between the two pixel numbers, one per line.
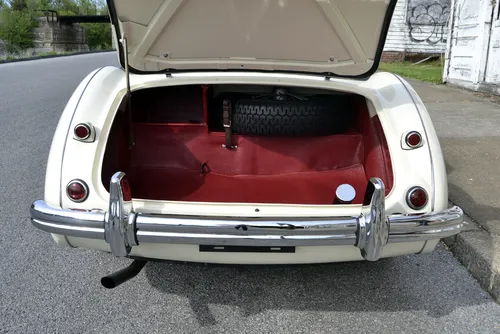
(91,133)
(85,187)
(408,197)
(406,140)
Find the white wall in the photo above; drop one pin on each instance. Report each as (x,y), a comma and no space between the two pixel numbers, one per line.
(492,74)
(473,54)
(419,26)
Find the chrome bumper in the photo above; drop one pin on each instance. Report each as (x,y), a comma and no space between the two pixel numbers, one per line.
(370,231)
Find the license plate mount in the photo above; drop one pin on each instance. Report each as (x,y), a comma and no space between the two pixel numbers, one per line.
(246,249)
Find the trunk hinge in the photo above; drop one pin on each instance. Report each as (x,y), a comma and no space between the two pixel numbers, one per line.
(131,142)
(227,120)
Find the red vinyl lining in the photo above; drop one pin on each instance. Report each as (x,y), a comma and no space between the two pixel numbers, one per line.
(191,185)
(189,147)
(377,160)
(166,165)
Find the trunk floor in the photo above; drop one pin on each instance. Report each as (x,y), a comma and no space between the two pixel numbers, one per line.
(166,164)
(296,188)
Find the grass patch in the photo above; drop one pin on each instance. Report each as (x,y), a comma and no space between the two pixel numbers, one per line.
(430,71)
(50,53)
(10,57)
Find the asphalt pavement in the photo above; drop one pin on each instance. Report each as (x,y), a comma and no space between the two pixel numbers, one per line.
(45,288)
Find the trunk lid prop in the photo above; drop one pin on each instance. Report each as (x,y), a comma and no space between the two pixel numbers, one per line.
(131,142)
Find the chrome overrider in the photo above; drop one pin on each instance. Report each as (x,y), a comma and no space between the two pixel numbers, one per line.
(123,228)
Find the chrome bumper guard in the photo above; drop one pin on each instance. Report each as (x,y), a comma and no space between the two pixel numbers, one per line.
(370,231)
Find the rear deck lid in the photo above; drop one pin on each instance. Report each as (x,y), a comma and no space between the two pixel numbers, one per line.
(335,37)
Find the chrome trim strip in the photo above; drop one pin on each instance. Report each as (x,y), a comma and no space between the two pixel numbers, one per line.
(370,231)
(246,240)
(277,226)
(67,222)
(222,231)
(68,230)
(245,232)
(118,229)
(419,227)
(373,231)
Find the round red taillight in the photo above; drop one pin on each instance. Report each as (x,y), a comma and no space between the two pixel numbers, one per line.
(77,191)
(417,198)
(82,131)
(413,139)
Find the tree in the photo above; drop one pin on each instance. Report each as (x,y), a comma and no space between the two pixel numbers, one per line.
(18,5)
(74,7)
(18,18)
(16,29)
(98,35)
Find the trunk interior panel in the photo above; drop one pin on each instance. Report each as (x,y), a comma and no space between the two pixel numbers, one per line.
(179,155)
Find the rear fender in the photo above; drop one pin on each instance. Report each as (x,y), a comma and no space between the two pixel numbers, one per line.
(97,107)
(439,175)
(52,193)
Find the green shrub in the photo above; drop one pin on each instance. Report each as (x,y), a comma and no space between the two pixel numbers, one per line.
(98,35)
(16,29)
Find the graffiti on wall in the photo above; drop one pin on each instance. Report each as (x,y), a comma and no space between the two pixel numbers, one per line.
(428,20)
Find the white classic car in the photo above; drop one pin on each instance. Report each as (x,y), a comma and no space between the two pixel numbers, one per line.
(247,132)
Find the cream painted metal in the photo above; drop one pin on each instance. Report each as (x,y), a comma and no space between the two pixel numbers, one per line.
(287,35)
(388,96)
(345,42)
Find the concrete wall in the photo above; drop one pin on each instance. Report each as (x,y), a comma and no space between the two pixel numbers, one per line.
(418,27)
(53,36)
(473,53)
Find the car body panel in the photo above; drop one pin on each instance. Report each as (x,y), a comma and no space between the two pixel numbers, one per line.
(302,255)
(54,164)
(390,99)
(438,166)
(341,37)
(100,95)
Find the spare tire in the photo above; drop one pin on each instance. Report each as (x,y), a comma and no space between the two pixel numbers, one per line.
(317,117)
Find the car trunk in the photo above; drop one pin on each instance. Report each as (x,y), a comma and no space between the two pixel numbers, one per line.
(179,153)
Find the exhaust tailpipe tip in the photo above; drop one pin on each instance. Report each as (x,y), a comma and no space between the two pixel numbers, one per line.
(117,278)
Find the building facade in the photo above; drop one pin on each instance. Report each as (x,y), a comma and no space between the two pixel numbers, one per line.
(418,27)
(473,48)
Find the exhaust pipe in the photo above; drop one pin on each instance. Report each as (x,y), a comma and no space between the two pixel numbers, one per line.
(121,276)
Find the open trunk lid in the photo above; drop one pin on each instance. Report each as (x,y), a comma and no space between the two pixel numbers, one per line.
(332,37)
